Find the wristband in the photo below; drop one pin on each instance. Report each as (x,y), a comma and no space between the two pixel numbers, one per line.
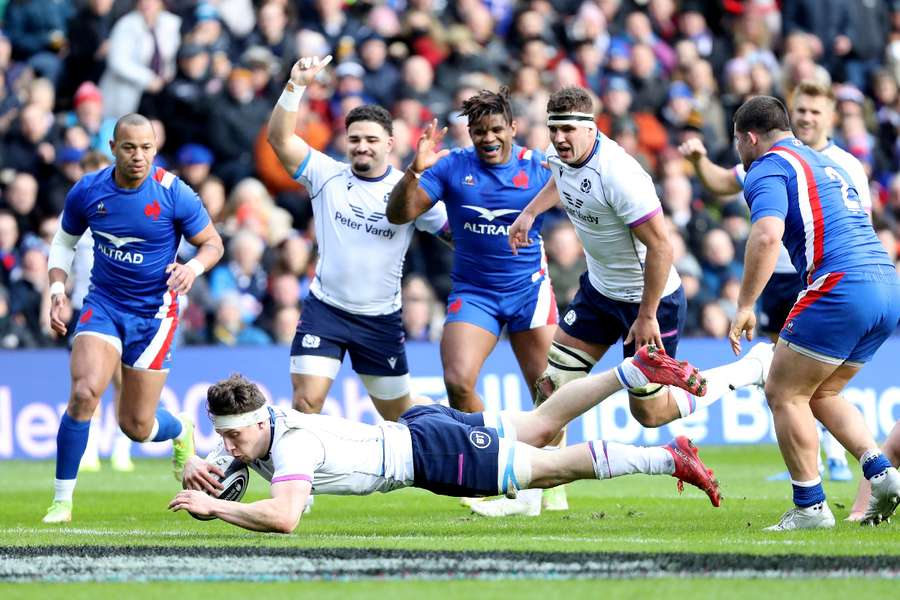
(290,97)
(196,266)
(57,287)
(414,174)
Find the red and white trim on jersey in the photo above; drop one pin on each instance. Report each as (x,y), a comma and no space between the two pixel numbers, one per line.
(810,208)
(816,290)
(545,311)
(154,354)
(163,177)
(524,154)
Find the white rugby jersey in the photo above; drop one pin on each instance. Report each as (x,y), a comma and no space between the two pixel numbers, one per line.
(336,455)
(858,178)
(606,196)
(361,254)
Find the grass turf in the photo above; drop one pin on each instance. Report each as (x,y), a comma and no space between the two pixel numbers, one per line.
(629,514)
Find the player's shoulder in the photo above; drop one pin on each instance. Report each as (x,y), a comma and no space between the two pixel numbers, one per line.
(528,155)
(843,158)
(771,163)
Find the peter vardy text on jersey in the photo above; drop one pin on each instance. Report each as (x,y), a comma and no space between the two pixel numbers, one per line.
(356,225)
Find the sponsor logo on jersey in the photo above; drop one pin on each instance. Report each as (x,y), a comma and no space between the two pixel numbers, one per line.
(116,252)
(152,210)
(573,206)
(480,439)
(469,179)
(570,317)
(310,341)
(101,208)
(392,361)
(364,222)
(489,215)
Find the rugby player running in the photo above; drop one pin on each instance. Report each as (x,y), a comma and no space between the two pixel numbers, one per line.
(137,213)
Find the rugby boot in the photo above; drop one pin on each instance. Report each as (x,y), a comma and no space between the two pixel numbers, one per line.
(817,516)
(659,367)
(59,512)
(885,497)
(182,446)
(689,468)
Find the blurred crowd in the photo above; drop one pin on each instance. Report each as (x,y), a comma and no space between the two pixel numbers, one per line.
(209,72)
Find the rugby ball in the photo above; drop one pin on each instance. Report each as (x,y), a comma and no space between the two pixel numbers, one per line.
(236,478)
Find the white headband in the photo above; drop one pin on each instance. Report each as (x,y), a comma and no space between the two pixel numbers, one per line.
(576,119)
(241,419)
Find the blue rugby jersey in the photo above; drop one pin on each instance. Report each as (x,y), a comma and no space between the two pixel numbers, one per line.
(136,234)
(482,202)
(827,229)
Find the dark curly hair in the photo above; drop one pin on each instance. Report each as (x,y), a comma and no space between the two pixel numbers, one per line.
(486,103)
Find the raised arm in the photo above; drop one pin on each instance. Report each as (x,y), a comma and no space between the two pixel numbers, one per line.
(209,250)
(407,200)
(716,179)
(290,148)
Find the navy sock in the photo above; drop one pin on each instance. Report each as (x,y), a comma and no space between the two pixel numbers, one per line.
(71,440)
(169,426)
(875,465)
(805,497)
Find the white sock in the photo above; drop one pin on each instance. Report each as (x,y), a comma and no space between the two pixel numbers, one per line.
(153,431)
(612,459)
(121,447)
(629,375)
(63,489)
(719,382)
(833,449)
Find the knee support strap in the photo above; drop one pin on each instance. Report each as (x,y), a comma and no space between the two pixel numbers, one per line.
(564,364)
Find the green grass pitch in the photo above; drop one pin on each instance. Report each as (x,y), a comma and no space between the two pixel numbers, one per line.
(630,514)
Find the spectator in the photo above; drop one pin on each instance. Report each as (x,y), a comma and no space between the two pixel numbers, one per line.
(141,57)
(229,327)
(12,333)
(381,78)
(422,315)
(184,103)
(29,294)
(243,275)
(87,113)
(88,46)
(235,119)
(21,200)
(194,162)
(37,31)
(284,325)
(719,262)
(9,241)
(30,148)
(566,262)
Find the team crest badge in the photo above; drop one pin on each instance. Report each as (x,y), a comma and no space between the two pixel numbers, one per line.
(152,210)
(480,439)
(570,317)
(586,186)
(310,341)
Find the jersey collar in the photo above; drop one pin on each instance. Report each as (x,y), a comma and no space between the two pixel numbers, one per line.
(374,179)
(590,156)
(271,432)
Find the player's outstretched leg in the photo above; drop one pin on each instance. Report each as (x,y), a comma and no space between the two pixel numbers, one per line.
(600,459)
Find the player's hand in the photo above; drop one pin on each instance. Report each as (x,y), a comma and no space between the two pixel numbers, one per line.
(693,150)
(305,70)
(744,323)
(518,231)
(645,330)
(181,278)
(193,501)
(426,149)
(59,304)
(200,475)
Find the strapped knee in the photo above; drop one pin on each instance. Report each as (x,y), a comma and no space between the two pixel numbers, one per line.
(564,364)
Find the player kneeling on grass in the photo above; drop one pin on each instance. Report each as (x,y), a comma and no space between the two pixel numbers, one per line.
(432,447)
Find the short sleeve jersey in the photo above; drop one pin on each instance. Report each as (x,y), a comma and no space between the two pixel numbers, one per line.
(136,235)
(827,228)
(606,197)
(361,254)
(482,202)
(336,455)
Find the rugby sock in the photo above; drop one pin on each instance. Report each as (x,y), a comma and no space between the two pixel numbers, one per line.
(71,440)
(63,489)
(873,463)
(808,493)
(166,427)
(719,382)
(121,446)
(612,459)
(629,375)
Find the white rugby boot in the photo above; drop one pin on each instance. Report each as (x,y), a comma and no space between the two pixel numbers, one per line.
(527,503)
(885,497)
(817,516)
